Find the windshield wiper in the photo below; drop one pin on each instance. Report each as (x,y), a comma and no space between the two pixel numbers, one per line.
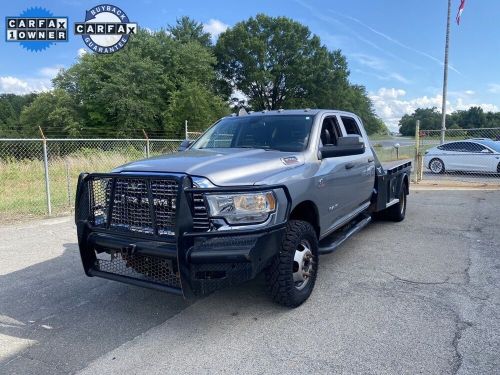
(265,148)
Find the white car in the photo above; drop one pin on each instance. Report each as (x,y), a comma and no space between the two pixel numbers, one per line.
(473,155)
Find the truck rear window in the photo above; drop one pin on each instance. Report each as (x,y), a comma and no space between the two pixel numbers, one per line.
(280,132)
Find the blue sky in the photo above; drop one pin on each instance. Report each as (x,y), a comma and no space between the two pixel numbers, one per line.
(395,48)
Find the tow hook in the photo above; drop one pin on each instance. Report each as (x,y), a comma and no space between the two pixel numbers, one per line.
(128,250)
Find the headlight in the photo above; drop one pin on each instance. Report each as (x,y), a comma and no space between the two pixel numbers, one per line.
(242,208)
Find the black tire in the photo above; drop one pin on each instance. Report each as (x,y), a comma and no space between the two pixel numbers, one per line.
(282,271)
(434,167)
(397,212)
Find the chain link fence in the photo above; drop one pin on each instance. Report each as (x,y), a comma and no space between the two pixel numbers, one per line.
(193,136)
(466,155)
(39,176)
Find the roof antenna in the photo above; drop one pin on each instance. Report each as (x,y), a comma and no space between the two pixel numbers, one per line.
(242,112)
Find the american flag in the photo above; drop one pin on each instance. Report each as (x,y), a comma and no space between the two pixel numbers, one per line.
(460,11)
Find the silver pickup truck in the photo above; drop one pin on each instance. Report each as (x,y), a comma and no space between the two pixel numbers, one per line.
(260,192)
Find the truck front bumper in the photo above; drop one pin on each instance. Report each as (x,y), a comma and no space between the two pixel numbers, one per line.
(211,263)
(190,263)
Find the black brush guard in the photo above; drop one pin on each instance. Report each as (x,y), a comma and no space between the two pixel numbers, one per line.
(158,256)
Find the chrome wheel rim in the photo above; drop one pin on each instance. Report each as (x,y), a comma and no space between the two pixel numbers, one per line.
(436,166)
(303,265)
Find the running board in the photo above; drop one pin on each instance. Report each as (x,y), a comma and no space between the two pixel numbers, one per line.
(338,239)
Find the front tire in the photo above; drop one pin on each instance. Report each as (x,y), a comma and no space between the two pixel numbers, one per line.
(291,276)
(436,166)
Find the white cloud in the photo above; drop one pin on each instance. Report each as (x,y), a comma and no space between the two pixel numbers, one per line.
(335,41)
(50,71)
(320,15)
(14,85)
(370,61)
(379,67)
(391,93)
(42,81)
(395,41)
(81,52)
(461,104)
(215,27)
(398,77)
(461,94)
(391,104)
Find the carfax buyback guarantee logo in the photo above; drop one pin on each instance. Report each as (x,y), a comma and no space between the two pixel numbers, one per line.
(106,28)
(36,29)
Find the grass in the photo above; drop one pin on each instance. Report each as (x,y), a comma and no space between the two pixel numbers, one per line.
(22,182)
(22,186)
(390,154)
(379,137)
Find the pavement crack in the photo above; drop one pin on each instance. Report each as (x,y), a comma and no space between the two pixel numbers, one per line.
(415,282)
(460,327)
(467,269)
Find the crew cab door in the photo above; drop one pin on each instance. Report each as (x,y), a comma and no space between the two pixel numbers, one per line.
(332,178)
(360,168)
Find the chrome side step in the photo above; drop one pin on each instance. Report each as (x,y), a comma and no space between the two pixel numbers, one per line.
(333,241)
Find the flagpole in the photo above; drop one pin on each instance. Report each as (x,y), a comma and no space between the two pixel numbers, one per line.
(445,78)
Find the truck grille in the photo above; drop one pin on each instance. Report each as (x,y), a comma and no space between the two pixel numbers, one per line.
(142,267)
(145,206)
(200,214)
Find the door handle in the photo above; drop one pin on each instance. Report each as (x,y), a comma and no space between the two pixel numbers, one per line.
(371,160)
(349,165)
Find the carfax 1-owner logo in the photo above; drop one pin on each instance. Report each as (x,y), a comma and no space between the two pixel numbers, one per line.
(106,29)
(36,29)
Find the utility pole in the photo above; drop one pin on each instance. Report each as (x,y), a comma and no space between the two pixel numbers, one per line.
(445,78)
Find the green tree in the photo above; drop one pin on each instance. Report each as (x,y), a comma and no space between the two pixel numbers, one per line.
(355,99)
(7,117)
(11,106)
(429,118)
(123,93)
(492,120)
(277,62)
(53,111)
(472,118)
(197,105)
(188,30)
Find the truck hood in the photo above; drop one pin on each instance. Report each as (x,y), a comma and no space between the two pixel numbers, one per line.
(223,167)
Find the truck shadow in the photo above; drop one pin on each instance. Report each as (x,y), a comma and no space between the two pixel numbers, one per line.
(52,313)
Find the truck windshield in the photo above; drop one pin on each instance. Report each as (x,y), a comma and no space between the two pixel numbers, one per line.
(279,132)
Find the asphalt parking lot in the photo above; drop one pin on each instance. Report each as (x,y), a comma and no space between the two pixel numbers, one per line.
(421,296)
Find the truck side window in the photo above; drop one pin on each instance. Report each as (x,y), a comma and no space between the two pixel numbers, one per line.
(330,131)
(350,125)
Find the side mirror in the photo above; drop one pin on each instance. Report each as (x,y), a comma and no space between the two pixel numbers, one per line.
(348,145)
(184,145)
(485,151)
